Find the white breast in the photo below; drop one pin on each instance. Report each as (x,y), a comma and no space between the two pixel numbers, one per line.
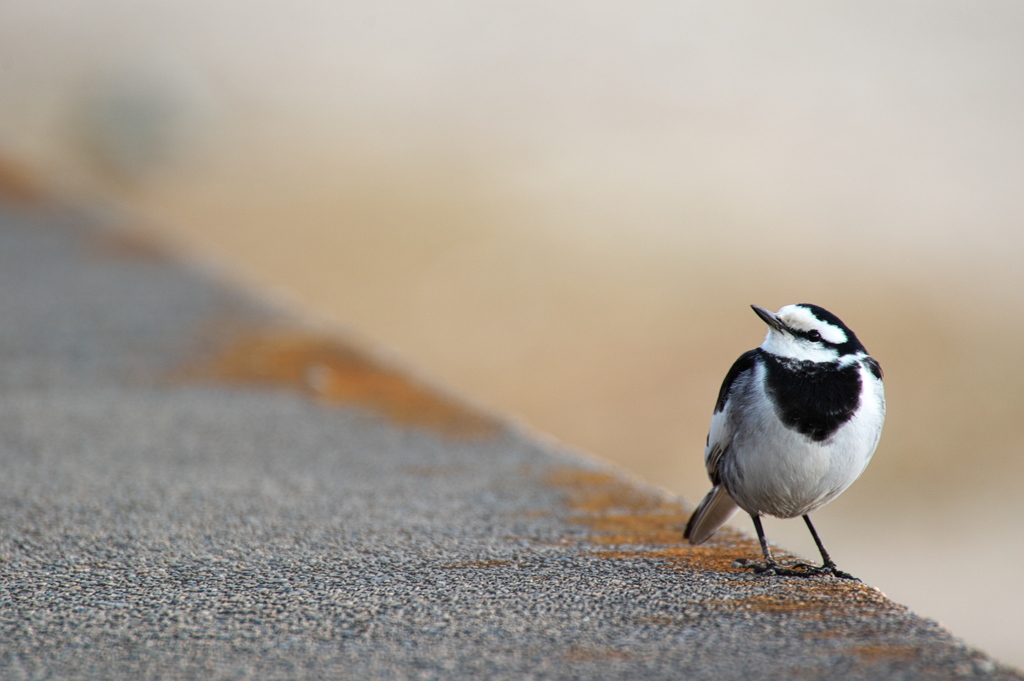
(772,470)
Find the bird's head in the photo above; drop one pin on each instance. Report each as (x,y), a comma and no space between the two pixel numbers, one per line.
(806,332)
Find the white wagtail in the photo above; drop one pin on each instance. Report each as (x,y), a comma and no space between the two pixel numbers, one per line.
(796,422)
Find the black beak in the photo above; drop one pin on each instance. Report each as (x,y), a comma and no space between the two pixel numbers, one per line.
(769,318)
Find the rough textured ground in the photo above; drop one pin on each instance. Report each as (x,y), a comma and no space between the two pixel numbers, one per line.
(198,486)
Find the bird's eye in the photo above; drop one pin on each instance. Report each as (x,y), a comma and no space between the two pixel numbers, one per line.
(814,336)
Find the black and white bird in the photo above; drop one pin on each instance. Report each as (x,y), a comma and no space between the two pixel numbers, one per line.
(796,422)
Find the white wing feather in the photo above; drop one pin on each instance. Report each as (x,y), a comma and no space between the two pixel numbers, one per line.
(717,507)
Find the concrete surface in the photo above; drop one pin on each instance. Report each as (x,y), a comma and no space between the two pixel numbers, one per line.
(196,485)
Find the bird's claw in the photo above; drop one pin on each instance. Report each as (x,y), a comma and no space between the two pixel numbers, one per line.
(796,570)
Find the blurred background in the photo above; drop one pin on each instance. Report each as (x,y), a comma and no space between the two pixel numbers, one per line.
(565,210)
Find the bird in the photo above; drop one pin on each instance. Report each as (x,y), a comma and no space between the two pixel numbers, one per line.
(796,422)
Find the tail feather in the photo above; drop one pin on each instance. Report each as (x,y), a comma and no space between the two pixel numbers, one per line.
(716,508)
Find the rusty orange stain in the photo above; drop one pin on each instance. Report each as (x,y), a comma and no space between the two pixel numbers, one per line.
(637,523)
(809,599)
(324,368)
(581,654)
(715,557)
(18,183)
(817,599)
(881,653)
(806,600)
(130,245)
(599,492)
(641,523)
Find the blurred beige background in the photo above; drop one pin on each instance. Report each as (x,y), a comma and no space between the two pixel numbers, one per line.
(565,211)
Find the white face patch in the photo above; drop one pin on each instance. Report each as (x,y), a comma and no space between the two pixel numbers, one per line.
(784,345)
(801,319)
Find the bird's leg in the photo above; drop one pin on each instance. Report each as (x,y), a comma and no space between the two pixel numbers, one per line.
(826,560)
(769,561)
(827,564)
(805,570)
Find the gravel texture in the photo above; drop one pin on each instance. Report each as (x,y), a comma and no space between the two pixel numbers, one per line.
(164,517)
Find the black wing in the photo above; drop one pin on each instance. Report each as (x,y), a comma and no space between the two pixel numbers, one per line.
(745,362)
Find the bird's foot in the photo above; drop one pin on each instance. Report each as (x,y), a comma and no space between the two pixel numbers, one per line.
(837,573)
(794,570)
